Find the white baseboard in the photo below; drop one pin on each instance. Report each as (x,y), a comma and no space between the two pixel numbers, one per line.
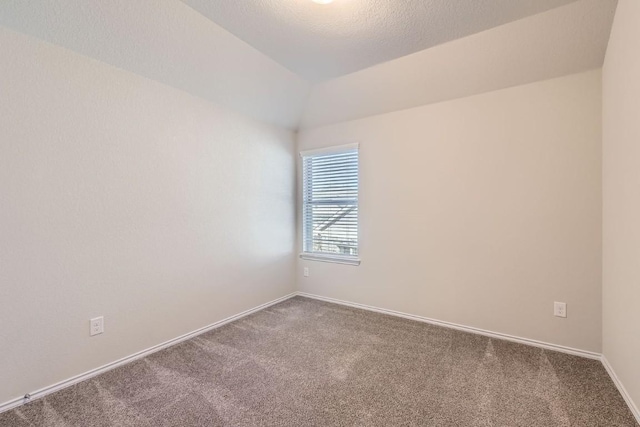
(574,351)
(621,389)
(491,334)
(92,373)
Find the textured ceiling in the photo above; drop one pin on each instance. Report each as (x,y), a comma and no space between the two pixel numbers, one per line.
(562,41)
(171,42)
(319,42)
(167,41)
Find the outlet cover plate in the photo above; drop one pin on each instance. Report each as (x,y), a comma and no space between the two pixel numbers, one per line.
(560,309)
(97,326)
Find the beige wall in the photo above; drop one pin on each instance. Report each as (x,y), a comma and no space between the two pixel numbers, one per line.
(621,177)
(480,211)
(125,198)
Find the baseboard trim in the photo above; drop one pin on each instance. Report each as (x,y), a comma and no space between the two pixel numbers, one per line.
(548,346)
(470,329)
(14,403)
(623,391)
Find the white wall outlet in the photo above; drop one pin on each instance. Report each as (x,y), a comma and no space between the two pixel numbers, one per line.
(97,326)
(306,272)
(560,309)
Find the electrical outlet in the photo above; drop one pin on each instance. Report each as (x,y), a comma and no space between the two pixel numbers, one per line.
(306,272)
(560,309)
(97,326)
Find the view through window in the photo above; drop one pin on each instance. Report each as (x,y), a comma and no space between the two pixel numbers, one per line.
(330,205)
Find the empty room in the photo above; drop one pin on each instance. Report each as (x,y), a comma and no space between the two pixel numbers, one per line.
(320,213)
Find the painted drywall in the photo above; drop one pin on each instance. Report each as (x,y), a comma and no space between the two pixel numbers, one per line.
(621,197)
(167,41)
(561,41)
(126,198)
(320,42)
(480,211)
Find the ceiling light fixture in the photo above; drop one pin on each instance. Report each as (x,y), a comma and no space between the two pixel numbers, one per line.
(322,1)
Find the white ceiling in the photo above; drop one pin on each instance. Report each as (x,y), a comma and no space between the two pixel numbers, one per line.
(167,41)
(561,41)
(171,42)
(320,42)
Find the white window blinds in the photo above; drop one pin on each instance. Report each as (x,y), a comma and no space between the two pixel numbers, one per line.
(330,202)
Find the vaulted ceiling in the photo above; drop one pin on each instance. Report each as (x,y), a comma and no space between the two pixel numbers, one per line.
(295,63)
(320,42)
(561,41)
(169,42)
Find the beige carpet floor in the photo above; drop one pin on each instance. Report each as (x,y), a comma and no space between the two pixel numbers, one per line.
(308,363)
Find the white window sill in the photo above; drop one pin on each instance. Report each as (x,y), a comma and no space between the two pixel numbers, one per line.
(338,259)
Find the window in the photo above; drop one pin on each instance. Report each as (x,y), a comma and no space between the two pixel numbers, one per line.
(330,204)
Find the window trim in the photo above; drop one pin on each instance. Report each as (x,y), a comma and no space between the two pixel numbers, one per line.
(324,256)
(334,149)
(334,258)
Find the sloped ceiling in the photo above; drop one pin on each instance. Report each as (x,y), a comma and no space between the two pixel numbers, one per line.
(321,42)
(167,41)
(562,41)
(171,42)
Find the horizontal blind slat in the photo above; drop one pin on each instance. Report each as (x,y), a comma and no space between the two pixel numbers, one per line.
(330,202)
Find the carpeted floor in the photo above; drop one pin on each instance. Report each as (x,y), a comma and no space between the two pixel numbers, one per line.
(308,363)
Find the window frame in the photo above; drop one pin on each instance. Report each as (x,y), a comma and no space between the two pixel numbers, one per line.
(327,256)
